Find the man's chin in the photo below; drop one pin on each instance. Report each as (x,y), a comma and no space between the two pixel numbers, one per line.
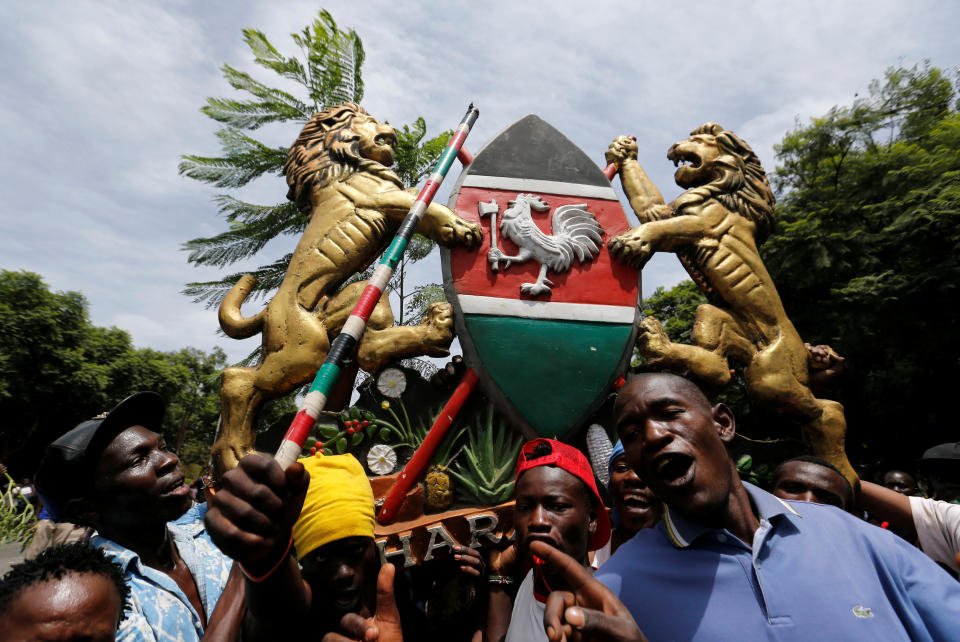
(176,507)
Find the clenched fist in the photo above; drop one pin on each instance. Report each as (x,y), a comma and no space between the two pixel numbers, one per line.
(622,148)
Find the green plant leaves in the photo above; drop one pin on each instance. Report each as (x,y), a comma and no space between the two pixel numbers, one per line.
(485,475)
(327,432)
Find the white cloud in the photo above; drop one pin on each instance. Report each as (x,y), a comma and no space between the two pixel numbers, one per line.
(101,98)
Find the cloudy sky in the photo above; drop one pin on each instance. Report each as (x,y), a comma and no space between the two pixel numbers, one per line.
(99,99)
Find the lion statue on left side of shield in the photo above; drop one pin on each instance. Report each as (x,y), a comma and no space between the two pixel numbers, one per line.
(715,228)
(338,173)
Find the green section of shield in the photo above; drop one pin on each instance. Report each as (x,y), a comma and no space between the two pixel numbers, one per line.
(551,371)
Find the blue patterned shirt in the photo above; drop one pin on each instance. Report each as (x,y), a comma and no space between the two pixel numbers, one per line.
(158,609)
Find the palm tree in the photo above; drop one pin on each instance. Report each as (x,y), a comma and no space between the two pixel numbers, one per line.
(328,71)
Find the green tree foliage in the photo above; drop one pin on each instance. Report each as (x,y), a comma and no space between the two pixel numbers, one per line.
(675,309)
(867,253)
(57,369)
(414,160)
(326,72)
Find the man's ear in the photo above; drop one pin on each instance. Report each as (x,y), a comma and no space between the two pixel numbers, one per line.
(80,511)
(726,424)
(592,525)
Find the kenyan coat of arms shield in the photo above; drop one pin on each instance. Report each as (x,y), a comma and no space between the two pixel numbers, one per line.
(544,314)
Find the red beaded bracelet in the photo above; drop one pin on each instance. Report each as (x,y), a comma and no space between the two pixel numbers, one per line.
(282,559)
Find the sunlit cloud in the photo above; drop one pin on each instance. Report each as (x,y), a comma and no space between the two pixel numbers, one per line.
(99,100)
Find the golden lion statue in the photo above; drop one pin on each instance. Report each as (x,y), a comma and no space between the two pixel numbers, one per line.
(338,174)
(715,228)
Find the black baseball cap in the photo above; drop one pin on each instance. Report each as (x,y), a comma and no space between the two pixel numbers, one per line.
(67,468)
(949,451)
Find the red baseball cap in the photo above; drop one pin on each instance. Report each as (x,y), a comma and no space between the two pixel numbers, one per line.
(574,462)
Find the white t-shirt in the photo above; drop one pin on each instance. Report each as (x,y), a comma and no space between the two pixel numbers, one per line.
(938,527)
(601,555)
(526,620)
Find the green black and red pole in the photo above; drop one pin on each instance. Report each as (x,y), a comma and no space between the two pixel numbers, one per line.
(344,344)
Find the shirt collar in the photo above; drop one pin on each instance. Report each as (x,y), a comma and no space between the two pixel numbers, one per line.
(682,532)
(189,527)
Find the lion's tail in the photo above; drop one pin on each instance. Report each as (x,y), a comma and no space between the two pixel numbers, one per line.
(232,321)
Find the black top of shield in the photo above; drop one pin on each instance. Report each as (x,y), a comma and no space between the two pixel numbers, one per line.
(532,148)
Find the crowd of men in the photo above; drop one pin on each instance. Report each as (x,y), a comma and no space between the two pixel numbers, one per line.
(689,551)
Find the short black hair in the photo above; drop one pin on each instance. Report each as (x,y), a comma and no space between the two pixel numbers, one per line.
(819,461)
(54,563)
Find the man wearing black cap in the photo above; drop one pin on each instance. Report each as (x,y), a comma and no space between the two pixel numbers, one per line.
(940,470)
(114,474)
(934,521)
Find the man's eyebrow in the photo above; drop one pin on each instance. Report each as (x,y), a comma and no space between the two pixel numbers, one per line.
(660,402)
(144,446)
(545,498)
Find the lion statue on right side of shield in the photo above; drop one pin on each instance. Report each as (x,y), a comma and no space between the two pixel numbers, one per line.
(338,173)
(715,228)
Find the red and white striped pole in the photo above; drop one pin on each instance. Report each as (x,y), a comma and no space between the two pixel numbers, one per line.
(345,342)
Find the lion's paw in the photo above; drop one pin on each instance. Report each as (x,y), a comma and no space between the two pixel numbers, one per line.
(227,453)
(652,341)
(459,232)
(632,248)
(438,326)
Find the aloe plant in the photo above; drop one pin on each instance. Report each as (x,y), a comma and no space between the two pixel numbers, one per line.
(485,472)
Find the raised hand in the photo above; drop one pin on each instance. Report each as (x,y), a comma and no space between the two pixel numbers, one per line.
(251,516)
(382,627)
(825,367)
(471,563)
(449,376)
(589,610)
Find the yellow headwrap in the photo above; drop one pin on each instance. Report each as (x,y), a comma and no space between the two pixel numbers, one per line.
(339,503)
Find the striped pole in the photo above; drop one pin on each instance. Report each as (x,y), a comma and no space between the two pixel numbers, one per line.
(343,346)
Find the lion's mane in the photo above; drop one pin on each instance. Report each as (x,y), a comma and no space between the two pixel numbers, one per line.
(742,186)
(326,150)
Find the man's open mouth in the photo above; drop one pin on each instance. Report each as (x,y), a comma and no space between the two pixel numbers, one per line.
(635,500)
(347,599)
(673,468)
(177,487)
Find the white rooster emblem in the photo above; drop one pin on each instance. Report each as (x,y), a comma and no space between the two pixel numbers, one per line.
(575,233)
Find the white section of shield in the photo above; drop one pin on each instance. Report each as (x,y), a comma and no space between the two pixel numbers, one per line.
(472,304)
(543,187)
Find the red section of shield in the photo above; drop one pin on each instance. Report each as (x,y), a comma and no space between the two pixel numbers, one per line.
(610,282)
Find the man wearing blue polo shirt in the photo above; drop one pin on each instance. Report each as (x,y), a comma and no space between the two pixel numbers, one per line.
(729,561)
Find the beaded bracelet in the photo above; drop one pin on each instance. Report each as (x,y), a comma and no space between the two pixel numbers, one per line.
(283,558)
(500,580)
